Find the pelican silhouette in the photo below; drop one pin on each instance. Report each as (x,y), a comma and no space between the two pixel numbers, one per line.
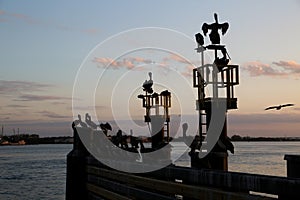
(105,127)
(82,124)
(147,85)
(214,27)
(140,159)
(89,121)
(226,144)
(186,139)
(279,107)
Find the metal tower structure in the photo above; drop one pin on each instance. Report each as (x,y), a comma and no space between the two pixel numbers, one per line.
(220,78)
(157,113)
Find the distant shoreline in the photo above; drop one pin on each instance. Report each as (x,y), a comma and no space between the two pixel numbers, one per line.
(27,139)
(237,138)
(17,140)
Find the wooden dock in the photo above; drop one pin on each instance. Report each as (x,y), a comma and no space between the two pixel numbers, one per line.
(87,178)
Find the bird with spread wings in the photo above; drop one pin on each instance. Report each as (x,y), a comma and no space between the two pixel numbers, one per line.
(279,106)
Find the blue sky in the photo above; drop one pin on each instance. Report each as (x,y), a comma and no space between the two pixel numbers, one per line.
(43,45)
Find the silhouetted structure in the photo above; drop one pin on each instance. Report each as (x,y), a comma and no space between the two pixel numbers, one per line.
(215,41)
(221,78)
(89,178)
(160,118)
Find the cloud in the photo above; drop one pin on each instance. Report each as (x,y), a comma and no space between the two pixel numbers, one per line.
(275,69)
(17,87)
(58,103)
(31,97)
(90,107)
(289,65)
(265,118)
(4,118)
(53,115)
(264,124)
(129,63)
(256,68)
(16,106)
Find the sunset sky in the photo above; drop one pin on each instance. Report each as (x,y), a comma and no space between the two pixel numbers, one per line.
(47,46)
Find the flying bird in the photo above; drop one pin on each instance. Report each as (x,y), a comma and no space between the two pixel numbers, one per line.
(279,107)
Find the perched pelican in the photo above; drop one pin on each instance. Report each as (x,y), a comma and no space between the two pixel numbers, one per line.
(226,144)
(89,121)
(186,139)
(214,27)
(82,124)
(105,127)
(147,85)
(199,39)
(279,107)
(140,154)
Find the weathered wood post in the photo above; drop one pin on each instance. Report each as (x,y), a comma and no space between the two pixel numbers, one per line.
(293,171)
(293,165)
(76,170)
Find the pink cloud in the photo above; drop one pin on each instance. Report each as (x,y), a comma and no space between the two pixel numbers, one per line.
(293,66)
(256,68)
(275,69)
(129,63)
(140,60)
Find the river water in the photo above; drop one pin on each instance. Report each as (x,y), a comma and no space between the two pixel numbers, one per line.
(39,171)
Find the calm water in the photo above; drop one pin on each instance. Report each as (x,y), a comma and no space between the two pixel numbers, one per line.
(39,171)
(33,171)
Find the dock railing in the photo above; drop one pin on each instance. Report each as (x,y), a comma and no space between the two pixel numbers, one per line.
(175,182)
(87,178)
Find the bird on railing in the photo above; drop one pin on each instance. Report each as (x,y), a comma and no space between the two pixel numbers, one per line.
(105,127)
(226,144)
(186,139)
(79,121)
(279,106)
(89,121)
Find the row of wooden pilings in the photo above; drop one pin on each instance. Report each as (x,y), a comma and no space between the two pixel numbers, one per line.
(88,178)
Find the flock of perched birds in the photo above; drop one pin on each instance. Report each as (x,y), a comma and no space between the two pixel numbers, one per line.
(223,143)
(89,123)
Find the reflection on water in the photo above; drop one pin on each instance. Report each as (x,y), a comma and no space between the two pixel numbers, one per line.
(39,171)
(262,157)
(252,157)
